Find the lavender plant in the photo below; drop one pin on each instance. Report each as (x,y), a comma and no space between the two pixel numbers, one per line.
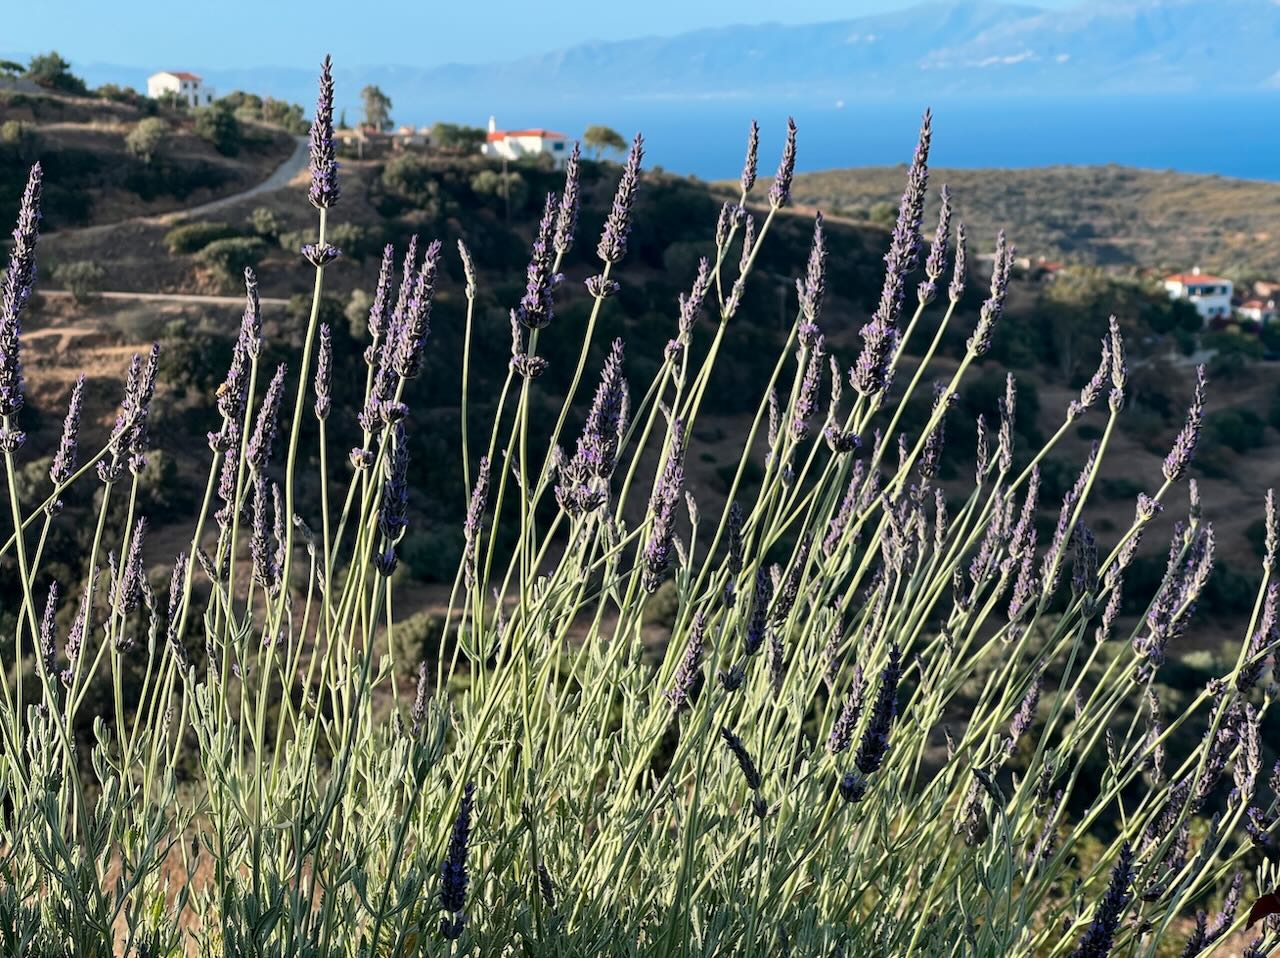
(911,767)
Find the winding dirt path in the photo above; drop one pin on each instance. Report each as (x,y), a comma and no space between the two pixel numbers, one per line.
(281,177)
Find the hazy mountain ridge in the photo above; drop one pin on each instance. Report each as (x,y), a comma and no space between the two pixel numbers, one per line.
(947,48)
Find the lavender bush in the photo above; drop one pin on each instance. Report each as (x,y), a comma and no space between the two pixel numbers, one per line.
(886,722)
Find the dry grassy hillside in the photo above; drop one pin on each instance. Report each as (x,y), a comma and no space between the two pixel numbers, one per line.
(1106,215)
(92,176)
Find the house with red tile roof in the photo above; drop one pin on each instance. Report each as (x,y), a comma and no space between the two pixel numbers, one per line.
(517,144)
(1209,294)
(181,85)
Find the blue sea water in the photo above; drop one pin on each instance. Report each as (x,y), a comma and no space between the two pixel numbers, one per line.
(1236,136)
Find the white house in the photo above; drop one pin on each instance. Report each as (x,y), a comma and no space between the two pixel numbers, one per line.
(185,86)
(514,144)
(1257,311)
(1211,295)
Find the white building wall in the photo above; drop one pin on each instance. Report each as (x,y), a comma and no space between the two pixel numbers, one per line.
(194,93)
(1211,297)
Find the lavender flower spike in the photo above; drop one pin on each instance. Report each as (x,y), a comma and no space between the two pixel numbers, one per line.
(393,512)
(751,162)
(598,447)
(453,870)
(475,520)
(567,209)
(48,631)
(617,226)
(780,191)
(993,308)
(324,373)
(19,280)
(412,325)
(662,507)
(1184,445)
(64,460)
(936,264)
(813,287)
(959,269)
(750,774)
(875,738)
(324,191)
(263,439)
(1098,938)
(535,307)
(689,672)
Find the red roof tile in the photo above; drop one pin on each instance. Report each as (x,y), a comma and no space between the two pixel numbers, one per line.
(1187,279)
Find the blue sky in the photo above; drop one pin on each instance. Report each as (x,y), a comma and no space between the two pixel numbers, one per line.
(247,33)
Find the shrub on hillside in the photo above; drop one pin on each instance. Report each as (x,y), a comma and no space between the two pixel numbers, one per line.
(1238,429)
(265,223)
(83,278)
(193,237)
(219,127)
(147,138)
(230,257)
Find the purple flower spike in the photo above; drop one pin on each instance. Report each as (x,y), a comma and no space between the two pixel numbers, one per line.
(959,270)
(758,624)
(936,264)
(393,511)
(598,447)
(453,870)
(993,307)
(49,631)
(806,403)
(1091,392)
(752,161)
(875,738)
(263,439)
(813,287)
(1184,445)
(19,281)
(133,576)
(324,191)
(617,227)
(780,191)
(535,309)
(1098,938)
(262,556)
(750,774)
(414,323)
(846,722)
(662,507)
(871,374)
(475,521)
(684,684)
(1026,714)
(570,199)
(64,460)
(380,309)
(324,373)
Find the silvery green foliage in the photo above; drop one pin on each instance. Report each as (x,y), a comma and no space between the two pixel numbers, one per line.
(911,768)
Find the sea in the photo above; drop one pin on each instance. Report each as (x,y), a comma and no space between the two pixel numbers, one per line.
(1229,135)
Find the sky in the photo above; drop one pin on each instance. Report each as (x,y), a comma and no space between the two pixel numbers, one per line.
(250,33)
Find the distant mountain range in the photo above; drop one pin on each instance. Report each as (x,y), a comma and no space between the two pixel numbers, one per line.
(938,49)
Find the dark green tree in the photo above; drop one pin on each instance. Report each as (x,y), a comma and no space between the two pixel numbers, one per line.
(603,139)
(51,71)
(377,107)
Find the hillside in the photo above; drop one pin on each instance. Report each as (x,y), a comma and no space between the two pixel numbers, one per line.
(453,198)
(1104,215)
(95,178)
